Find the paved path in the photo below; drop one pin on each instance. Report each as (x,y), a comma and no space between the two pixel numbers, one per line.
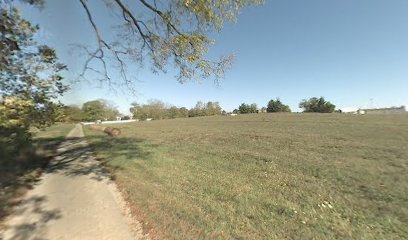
(75,199)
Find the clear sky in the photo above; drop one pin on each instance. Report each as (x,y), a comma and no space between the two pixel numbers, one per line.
(352,52)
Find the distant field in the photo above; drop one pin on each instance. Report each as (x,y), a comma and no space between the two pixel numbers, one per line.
(265,176)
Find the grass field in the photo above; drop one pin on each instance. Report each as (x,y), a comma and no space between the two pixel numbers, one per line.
(20,169)
(265,176)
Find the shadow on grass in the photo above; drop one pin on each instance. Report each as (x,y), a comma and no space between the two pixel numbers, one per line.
(72,157)
(126,148)
(21,167)
(76,156)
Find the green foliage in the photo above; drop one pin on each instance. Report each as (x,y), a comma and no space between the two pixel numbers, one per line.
(69,114)
(174,32)
(277,106)
(183,112)
(30,74)
(156,109)
(315,104)
(30,83)
(99,110)
(205,109)
(248,108)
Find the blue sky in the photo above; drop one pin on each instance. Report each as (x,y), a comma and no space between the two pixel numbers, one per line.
(352,52)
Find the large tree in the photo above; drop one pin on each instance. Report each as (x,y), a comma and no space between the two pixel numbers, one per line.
(161,32)
(277,106)
(70,113)
(205,109)
(154,109)
(248,108)
(99,110)
(30,74)
(30,82)
(315,104)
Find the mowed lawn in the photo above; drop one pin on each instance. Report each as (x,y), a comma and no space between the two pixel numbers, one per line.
(265,176)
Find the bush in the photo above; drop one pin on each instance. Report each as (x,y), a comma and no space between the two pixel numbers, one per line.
(317,105)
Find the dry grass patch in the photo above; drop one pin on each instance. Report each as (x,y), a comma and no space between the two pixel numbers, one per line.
(265,176)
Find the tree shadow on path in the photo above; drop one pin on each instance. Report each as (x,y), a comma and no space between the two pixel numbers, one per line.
(20,172)
(30,219)
(76,156)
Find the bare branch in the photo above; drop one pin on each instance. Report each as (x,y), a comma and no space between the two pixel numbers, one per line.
(99,53)
(126,12)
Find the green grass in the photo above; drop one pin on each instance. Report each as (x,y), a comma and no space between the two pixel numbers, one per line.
(20,168)
(265,176)
(57,130)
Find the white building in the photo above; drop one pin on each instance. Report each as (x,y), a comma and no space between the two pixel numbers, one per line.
(351,110)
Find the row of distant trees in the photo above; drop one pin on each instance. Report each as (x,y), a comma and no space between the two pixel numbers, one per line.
(157,109)
(90,111)
(313,104)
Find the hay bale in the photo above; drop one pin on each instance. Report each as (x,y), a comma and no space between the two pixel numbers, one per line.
(114,132)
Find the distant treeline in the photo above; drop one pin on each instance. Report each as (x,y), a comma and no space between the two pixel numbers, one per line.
(313,104)
(90,111)
(156,109)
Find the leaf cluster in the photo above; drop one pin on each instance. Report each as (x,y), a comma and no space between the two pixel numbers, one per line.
(30,73)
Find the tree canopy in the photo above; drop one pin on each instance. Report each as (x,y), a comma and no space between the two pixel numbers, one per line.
(30,82)
(30,74)
(277,106)
(154,109)
(205,109)
(315,104)
(248,108)
(161,33)
(99,110)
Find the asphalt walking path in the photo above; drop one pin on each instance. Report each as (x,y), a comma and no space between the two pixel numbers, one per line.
(75,199)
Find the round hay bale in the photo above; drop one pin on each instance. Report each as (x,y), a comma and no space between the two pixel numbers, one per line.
(107,130)
(115,132)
